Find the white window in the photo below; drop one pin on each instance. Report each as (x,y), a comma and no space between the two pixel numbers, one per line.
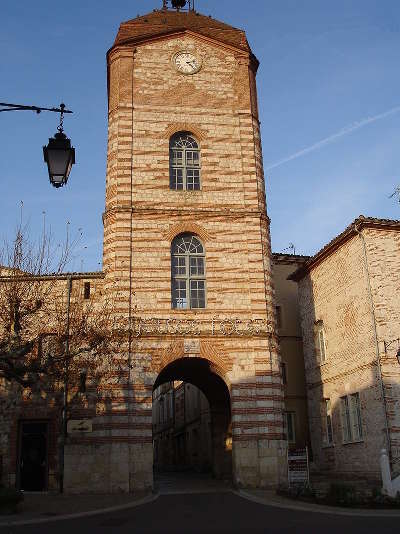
(320,341)
(184,162)
(351,418)
(328,422)
(291,426)
(188,272)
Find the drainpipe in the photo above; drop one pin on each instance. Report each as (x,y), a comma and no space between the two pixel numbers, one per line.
(378,357)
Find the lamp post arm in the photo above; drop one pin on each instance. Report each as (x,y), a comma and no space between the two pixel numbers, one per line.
(21,107)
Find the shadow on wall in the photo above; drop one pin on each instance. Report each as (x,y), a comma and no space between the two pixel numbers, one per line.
(346,409)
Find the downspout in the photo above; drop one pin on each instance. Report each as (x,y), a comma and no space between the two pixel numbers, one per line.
(378,358)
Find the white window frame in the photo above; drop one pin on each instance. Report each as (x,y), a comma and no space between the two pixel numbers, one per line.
(189,162)
(320,342)
(328,438)
(183,253)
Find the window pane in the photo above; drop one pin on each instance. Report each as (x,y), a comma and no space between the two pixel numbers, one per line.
(196,266)
(193,179)
(179,294)
(192,158)
(178,266)
(177,158)
(176,179)
(197,294)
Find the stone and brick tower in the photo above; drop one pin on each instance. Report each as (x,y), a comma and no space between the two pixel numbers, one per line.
(187,248)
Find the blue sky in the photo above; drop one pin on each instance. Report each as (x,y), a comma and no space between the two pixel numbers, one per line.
(329,98)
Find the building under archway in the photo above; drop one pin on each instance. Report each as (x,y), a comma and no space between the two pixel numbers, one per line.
(192,419)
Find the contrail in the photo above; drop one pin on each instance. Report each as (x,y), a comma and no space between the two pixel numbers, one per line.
(344,131)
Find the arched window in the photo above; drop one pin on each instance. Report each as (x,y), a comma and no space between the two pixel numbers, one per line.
(184,162)
(188,272)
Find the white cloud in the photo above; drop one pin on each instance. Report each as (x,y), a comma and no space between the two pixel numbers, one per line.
(344,131)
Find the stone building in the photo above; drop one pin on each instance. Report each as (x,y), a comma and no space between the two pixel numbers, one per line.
(350,317)
(186,256)
(181,428)
(181,412)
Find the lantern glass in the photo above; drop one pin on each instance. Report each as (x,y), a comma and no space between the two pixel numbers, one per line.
(59,156)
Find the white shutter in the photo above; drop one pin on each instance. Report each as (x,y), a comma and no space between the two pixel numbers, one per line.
(355,416)
(344,413)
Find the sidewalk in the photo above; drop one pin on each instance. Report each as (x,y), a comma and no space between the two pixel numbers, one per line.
(270,498)
(44,507)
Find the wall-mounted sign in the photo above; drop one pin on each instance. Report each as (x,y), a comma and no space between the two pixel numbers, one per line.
(191,346)
(79,426)
(298,472)
(231,327)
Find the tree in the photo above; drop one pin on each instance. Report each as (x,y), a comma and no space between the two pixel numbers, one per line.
(396,193)
(47,329)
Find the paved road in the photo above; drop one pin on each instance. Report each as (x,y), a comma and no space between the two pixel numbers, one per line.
(217,512)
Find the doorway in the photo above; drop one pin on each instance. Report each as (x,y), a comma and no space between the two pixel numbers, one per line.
(33,452)
(191,426)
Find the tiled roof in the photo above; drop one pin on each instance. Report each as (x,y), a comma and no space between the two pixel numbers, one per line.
(281,257)
(163,22)
(350,231)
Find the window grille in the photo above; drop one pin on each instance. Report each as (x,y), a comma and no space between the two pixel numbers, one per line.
(184,169)
(188,272)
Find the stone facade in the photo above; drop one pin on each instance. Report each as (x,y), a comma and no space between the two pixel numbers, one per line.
(239,369)
(350,290)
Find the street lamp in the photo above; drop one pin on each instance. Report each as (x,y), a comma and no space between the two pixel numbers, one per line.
(58,154)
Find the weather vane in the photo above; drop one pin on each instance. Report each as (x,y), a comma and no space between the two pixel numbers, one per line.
(179,5)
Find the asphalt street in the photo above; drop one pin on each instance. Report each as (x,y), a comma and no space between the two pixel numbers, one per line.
(222,512)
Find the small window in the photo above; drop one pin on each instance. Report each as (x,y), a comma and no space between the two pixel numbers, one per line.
(184,162)
(188,272)
(278,313)
(284,373)
(351,418)
(86,290)
(291,426)
(320,341)
(328,422)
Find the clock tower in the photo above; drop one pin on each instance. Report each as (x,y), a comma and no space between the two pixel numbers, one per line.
(187,248)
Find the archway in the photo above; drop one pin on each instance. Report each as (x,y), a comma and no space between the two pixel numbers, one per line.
(171,429)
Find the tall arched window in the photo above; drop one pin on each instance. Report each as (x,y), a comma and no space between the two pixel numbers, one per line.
(184,162)
(188,272)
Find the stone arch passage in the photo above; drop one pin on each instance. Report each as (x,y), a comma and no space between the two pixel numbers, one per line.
(207,377)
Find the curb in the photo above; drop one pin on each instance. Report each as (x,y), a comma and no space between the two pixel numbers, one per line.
(133,504)
(318,508)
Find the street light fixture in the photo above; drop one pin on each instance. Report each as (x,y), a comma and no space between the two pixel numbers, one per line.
(58,154)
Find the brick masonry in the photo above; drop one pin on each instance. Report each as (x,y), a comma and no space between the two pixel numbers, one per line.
(334,287)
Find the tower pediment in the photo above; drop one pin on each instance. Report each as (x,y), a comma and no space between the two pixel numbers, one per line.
(163,22)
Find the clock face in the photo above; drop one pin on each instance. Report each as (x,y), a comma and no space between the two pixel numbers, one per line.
(187,63)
